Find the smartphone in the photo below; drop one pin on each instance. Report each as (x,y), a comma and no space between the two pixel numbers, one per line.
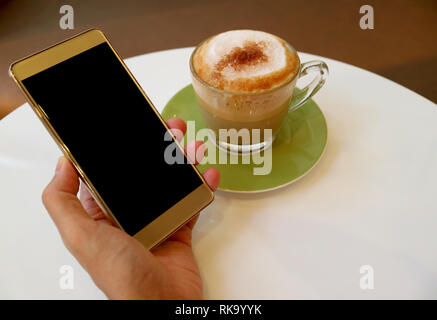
(106,125)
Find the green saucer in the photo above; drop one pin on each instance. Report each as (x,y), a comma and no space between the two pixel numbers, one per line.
(296,150)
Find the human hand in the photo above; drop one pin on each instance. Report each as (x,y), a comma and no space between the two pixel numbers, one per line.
(118,263)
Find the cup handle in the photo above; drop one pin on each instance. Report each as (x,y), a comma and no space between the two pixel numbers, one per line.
(309,90)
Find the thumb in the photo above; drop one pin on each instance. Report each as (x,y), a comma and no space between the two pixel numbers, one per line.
(65,209)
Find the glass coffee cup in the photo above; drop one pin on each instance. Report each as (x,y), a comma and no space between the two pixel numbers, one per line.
(248,122)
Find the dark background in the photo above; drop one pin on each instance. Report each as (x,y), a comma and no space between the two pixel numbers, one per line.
(402,47)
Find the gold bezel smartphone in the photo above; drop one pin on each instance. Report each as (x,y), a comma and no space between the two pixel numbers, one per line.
(161,204)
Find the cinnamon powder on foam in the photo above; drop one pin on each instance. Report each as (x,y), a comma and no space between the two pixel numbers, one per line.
(251,54)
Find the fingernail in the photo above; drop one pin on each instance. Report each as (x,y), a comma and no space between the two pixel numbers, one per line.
(60,163)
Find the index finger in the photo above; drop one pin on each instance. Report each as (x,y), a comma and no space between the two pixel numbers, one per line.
(178,127)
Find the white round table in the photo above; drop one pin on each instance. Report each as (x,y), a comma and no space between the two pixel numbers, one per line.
(371,201)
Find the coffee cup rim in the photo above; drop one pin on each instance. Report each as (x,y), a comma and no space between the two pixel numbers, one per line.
(194,73)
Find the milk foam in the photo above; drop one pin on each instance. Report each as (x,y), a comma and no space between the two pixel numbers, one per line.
(222,44)
(245,61)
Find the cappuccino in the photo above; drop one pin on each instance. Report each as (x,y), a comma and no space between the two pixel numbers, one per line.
(244,79)
(245,61)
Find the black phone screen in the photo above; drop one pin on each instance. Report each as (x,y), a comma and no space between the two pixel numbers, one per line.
(113,133)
